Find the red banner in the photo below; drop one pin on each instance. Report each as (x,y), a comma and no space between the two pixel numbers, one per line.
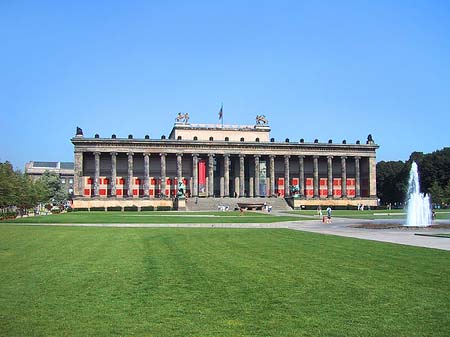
(202,176)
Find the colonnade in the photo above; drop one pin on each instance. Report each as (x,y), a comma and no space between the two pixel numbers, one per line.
(253,182)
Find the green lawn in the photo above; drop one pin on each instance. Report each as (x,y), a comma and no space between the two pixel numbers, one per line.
(155,217)
(80,281)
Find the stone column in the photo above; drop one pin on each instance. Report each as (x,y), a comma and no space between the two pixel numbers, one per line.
(226,174)
(130,174)
(78,174)
(316,176)
(113,173)
(251,187)
(286,176)
(221,187)
(163,173)
(330,176)
(241,175)
(211,175)
(301,173)
(372,177)
(97,174)
(195,175)
(272,174)
(179,168)
(257,192)
(357,178)
(146,174)
(344,177)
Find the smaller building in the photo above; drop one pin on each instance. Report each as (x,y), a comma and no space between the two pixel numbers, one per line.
(65,171)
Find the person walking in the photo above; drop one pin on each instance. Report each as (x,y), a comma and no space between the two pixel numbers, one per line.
(319,211)
(329,214)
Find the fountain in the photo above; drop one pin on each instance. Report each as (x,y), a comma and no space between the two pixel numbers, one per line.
(419,206)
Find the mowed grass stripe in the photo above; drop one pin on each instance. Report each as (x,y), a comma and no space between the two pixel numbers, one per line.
(216,282)
(155,218)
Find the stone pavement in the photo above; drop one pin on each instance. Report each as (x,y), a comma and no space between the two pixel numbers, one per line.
(404,236)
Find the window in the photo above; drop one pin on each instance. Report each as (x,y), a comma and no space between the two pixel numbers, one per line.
(257,140)
(227,139)
(242,139)
(211,138)
(195,138)
(63,181)
(70,180)
(179,138)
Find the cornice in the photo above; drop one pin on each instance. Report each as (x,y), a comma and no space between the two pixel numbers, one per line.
(221,147)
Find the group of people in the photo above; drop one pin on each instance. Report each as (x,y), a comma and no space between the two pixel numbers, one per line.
(361,207)
(328,210)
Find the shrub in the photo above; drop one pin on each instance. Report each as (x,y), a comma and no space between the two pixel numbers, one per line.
(147,208)
(81,209)
(55,211)
(96,209)
(130,208)
(69,209)
(8,215)
(115,208)
(163,208)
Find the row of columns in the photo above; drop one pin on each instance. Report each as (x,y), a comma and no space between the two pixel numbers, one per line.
(225,190)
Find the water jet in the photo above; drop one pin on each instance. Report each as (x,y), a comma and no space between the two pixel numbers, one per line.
(418,204)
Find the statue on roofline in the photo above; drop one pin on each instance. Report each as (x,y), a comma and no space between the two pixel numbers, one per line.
(369,139)
(183,118)
(261,120)
(79,131)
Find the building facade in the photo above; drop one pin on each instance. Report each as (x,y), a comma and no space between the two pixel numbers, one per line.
(35,169)
(222,161)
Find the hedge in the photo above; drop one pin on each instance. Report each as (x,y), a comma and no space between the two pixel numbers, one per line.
(8,215)
(96,209)
(115,208)
(81,209)
(130,208)
(147,208)
(163,208)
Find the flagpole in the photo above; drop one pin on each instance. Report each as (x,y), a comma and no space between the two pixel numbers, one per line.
(222,113)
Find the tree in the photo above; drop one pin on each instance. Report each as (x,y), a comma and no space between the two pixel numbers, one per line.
(436,193)
(434,174)
(446,197)
(8,185)
(53,190)
(391,181)
(18,189)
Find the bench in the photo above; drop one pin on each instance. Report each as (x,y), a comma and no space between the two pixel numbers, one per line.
(251,205)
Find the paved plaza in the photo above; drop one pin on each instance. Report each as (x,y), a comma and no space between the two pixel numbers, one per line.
(404,236)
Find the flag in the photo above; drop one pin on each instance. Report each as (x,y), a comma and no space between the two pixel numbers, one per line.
(221,112)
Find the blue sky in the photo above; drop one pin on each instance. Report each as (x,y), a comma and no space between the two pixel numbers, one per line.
(316,69)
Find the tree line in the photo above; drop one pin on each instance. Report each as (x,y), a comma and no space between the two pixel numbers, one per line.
(18,190)
(434,176)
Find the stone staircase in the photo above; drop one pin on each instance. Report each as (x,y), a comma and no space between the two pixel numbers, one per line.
(212,204)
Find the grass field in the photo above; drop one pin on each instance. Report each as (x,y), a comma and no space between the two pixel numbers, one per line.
(155,217)
(77,281)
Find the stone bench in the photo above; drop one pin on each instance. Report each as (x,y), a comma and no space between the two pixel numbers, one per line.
(259,206)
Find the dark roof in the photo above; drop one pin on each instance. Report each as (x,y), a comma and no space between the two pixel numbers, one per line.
(67,165)
(52,164)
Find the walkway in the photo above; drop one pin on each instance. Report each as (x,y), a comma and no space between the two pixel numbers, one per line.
(404,236)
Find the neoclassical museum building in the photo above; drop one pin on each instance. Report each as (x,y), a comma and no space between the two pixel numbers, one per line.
(221,161)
